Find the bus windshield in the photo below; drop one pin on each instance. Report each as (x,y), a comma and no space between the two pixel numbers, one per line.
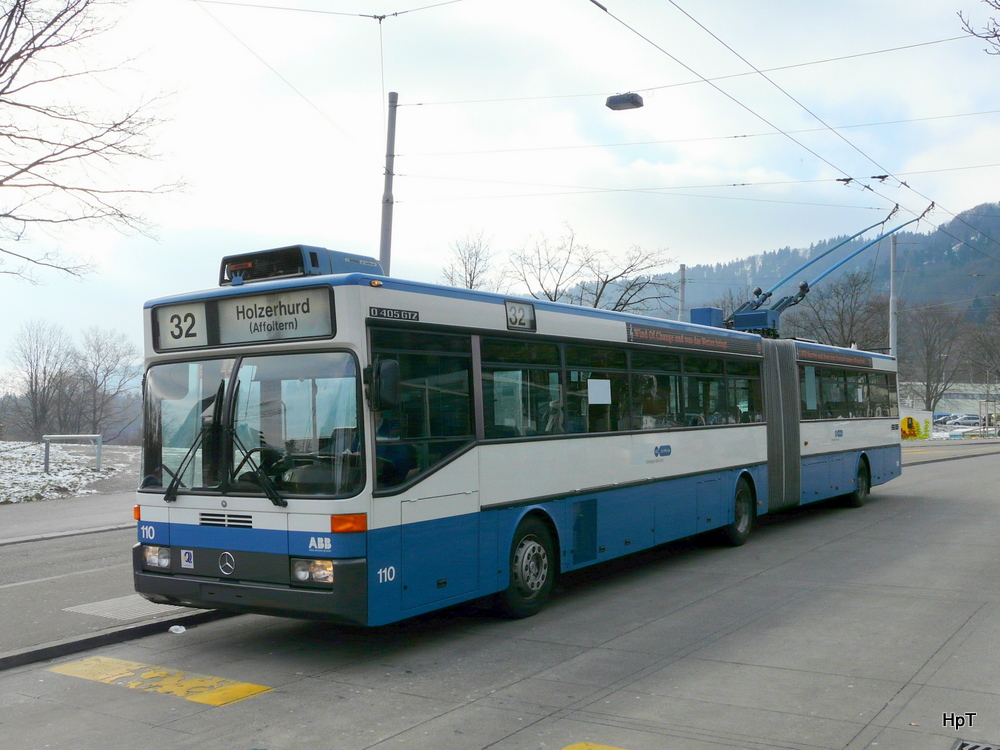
(292,425)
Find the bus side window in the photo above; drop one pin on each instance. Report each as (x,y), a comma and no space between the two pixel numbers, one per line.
(655,401)
(809,391)
(522,388)
(434,417)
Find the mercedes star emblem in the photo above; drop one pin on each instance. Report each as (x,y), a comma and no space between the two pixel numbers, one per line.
(227,563)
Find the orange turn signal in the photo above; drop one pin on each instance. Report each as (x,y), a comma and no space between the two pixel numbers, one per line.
(348,523)
(136,513)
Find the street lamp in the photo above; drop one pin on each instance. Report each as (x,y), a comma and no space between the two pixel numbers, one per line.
(624,101)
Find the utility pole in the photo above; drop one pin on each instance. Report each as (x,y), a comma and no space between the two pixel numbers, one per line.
(385,246)
(680,308)
(893,317)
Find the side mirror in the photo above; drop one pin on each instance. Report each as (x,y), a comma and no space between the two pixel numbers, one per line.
(385,385)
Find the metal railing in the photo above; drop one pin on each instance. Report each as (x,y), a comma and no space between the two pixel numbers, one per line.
(96,440)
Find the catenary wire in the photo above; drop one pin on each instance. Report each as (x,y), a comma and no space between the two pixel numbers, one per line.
(841,136)
(703,139)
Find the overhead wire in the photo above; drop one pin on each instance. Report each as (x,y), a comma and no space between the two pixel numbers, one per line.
(378,17)
(841,136)
(848,179)
(324,12)
(643,89)
(266,64)
(703,139)
(701,79)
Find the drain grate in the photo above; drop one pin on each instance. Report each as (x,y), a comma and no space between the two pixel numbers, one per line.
(966,745)
(124,608)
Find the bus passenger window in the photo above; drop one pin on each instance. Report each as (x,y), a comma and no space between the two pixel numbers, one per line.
(433,420)
(655,401)
(522,402)
(705,402)
(809,392)
(833,394)
(597,402)
(522,388)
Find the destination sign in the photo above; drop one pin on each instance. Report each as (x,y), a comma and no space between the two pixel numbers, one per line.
(302,314)
(257,318)
(638,334)
(851,359)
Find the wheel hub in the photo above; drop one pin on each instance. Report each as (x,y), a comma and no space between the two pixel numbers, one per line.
(531,566)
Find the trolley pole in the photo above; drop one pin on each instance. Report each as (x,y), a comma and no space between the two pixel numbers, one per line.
(893,317)
(390,156)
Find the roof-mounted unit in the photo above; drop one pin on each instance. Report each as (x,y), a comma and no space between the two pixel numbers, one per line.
(289,262)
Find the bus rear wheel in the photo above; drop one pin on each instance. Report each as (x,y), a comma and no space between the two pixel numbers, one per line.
(737,533)
(532,571)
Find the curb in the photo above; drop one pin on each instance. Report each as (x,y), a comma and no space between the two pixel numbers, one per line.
(949,458)
(120,634)
(60,534)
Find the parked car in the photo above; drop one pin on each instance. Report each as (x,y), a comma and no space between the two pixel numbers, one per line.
(969,420)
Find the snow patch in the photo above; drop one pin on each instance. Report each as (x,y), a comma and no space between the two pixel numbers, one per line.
(23,478)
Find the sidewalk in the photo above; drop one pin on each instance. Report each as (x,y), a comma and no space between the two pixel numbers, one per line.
(47,519)
(45,615)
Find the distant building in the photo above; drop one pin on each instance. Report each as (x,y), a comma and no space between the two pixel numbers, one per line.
(960,398)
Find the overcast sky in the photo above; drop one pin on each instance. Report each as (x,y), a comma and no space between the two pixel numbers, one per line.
(275,122)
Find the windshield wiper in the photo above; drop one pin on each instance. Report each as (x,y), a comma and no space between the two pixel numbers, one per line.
(263,479)
(171,494)
(258,469)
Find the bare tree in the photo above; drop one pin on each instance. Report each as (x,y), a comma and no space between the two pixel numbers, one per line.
(550,270)
(569,271)
(58,160)
(843,312)
(990,32)
(108,368)
(732,299)
(932,349)
(984,348)
(472,265)
(630,282)
(41,356)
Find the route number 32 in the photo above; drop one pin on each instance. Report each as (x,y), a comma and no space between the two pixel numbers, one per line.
(520,316)
(183,326)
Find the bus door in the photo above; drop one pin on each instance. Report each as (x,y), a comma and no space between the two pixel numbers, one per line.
(782,413)
(439,548)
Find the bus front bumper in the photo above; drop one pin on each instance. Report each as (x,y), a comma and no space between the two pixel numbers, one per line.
(345,601)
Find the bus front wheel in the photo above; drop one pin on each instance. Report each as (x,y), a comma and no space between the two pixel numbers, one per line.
(736,533)
(532,571)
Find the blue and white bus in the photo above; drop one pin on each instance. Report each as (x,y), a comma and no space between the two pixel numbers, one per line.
(323,441)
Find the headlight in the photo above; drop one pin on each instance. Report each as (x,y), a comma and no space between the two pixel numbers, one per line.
(312,571)
(156,557)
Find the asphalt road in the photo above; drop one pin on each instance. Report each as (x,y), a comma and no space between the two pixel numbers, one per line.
(832,628)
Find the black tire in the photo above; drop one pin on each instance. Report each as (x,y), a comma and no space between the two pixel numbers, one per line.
(862,487)
(532,571)
(737,533)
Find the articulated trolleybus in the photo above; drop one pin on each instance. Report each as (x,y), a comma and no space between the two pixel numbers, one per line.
(323,441)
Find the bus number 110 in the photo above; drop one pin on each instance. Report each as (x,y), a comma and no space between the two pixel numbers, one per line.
(386,574)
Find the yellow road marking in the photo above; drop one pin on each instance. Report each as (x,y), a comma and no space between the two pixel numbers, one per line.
(589,746)
(213,691)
